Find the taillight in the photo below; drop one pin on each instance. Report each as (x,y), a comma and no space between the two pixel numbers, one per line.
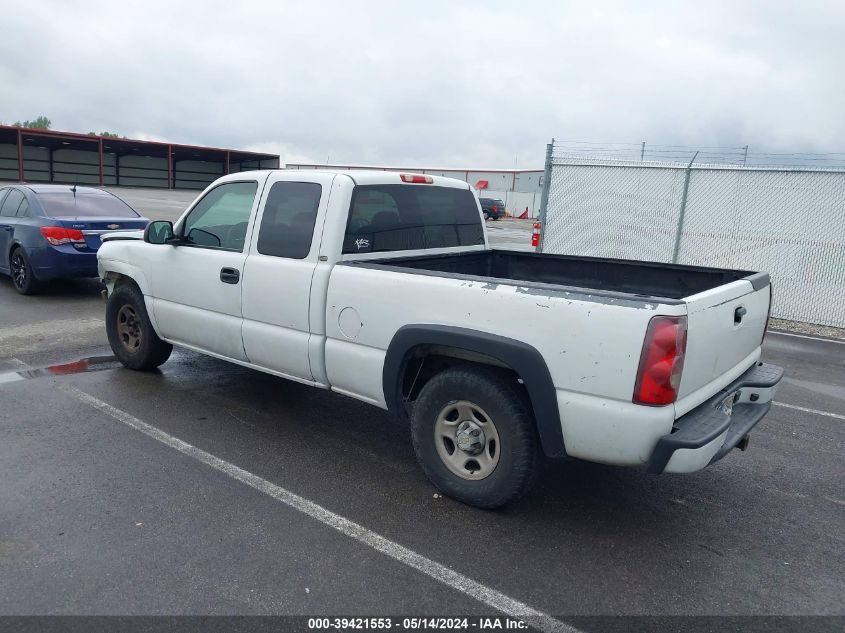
(661,361)
(417,179)
(58,235)
(494,208)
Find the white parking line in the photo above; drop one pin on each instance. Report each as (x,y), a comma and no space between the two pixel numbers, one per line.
(18,364)
(12,374)
(811,338)
(806,410)
(29,330)
(457,581)
(35,337)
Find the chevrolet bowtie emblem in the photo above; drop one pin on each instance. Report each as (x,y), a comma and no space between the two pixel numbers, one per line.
(112,226)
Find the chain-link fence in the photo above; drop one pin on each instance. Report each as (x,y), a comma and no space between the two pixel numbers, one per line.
(789,222)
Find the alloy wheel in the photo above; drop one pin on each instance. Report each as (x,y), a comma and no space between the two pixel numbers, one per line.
(19,271)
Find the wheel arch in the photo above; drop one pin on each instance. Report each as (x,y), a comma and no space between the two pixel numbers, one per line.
(10,248)
(422,341)
(116,272)
(13,245)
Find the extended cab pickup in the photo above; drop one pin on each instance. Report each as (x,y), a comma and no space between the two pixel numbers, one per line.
(382,286)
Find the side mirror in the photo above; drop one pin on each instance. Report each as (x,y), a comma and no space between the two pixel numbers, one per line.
(158,232)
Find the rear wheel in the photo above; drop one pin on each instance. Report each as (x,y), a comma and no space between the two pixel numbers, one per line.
(22,276)
(131,335)
(474,436)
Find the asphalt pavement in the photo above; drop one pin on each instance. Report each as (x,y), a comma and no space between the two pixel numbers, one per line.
(208,488)
(98,517)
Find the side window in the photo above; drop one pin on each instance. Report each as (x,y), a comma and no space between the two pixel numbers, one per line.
(287,226)
(220,219)
(11,204)
(23,209)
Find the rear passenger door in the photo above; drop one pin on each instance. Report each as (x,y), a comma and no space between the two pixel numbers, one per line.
(277,329)
(9,204)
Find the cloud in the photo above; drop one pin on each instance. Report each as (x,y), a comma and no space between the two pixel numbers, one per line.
(440,83)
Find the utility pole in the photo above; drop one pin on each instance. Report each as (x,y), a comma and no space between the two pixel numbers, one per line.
(745,155)
(642,152)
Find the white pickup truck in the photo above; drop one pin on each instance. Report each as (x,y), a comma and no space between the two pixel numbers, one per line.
(382,286)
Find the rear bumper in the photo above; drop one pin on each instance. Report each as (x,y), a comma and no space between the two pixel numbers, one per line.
(62,262)
(714,428)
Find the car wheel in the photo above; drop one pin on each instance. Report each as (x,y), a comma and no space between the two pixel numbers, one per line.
(474,436)
(23,277)
(131,335)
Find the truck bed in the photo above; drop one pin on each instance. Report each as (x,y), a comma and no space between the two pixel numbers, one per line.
(648,280)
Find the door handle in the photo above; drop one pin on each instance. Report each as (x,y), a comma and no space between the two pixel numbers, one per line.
(739,313)
(230,275)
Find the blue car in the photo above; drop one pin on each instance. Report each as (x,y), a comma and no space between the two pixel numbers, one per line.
(53,231)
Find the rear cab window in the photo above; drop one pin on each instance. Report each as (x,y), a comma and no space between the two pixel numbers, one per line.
(409,217)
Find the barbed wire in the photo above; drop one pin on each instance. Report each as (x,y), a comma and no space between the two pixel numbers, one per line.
(719,155)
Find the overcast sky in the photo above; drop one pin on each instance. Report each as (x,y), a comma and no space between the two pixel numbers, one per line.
(430,83)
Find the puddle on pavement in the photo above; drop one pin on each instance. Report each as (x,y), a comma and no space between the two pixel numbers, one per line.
(93,363)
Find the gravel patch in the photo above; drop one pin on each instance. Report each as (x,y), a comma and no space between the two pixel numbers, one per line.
(810,329)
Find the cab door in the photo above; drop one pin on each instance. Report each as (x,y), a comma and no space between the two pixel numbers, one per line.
(283,255)
(197,284)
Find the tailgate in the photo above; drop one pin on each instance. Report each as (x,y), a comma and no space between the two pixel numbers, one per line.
(724,327)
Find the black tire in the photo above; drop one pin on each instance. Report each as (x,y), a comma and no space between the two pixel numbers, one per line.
(131,335)
(20,268)
(501,397)
(497,218)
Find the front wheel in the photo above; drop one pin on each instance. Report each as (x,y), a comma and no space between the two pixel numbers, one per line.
(131,335)
(474,436)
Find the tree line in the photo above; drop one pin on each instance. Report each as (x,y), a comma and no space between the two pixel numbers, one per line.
(43,123)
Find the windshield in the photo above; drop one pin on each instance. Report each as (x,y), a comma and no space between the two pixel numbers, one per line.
(81,205)
(408,217)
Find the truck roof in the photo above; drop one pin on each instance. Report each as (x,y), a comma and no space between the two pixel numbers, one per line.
(368,176)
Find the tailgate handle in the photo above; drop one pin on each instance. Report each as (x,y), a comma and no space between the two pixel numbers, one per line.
(739,313)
